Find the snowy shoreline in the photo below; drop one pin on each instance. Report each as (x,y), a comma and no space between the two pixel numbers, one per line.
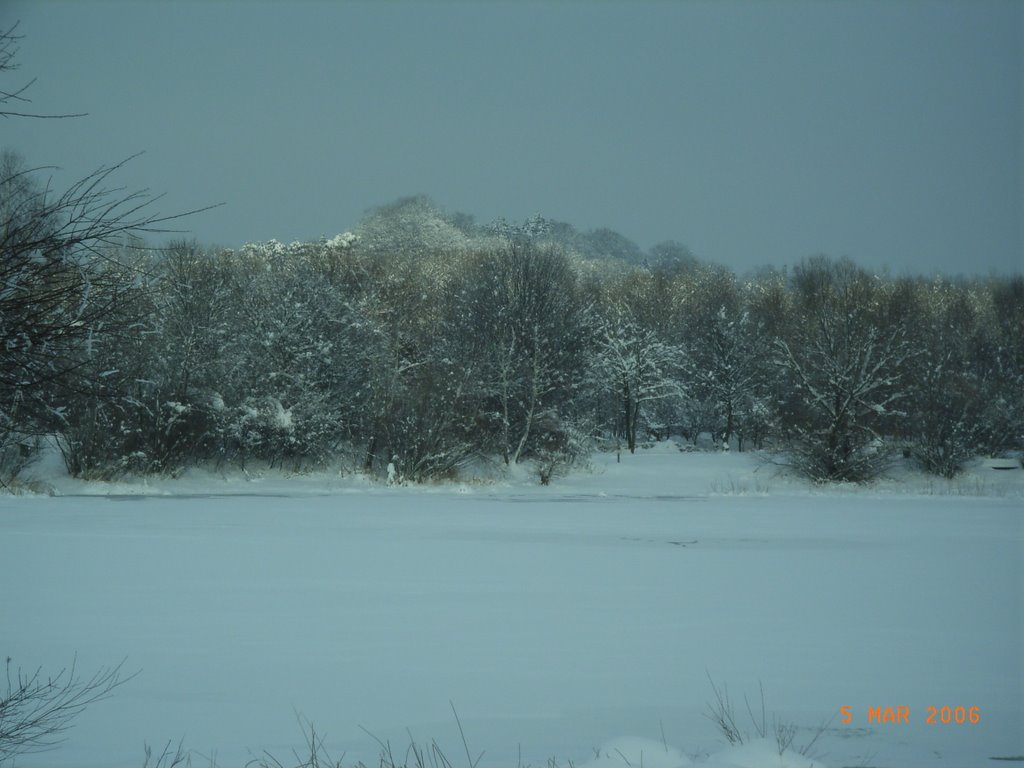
(658,470)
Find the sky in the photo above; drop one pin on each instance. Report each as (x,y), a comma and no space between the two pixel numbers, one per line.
(754,132)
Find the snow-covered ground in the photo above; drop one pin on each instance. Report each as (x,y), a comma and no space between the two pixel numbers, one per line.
(554,619)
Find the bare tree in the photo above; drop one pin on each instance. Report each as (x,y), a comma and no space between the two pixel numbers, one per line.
(519,312)
(58,279)
(61,279)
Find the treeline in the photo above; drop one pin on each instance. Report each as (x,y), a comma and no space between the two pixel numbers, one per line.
(426,339)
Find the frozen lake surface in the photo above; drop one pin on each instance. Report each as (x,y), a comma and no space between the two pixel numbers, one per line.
(554,619)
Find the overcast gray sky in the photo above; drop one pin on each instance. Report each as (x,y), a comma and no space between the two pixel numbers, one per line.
(754,132)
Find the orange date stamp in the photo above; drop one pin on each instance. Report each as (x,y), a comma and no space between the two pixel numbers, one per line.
(901,714)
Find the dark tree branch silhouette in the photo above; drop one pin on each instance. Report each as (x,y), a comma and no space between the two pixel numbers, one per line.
(63,275)
(8,51)
(35,710)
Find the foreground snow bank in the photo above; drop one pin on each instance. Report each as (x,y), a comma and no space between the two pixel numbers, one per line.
(624,752)
(761,753)
(645,753)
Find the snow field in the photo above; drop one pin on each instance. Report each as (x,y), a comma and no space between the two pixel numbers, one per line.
(554,619)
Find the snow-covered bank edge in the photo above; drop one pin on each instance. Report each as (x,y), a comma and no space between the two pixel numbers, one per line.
(660,470)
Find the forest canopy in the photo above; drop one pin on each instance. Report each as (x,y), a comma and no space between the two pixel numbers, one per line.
(424,339)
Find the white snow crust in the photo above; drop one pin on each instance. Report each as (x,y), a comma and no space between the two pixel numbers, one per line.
(554,618)
(626,751)
(760,753)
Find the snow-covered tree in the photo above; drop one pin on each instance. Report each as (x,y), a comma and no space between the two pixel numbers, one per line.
(997,359)
(729,350)
(731,369)
(635,367)
(64,283)
(519,311)
(845,370)
(673,254)
(58,284)
(289,349)
(411,226)
(606,243)
(418,391)
(943,425)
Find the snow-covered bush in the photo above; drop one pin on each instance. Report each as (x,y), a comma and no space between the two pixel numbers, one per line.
(946,423)
(105,436)
(858,459)
(770,737)
(561,446)
(257,428)
(429,428)
(263,429)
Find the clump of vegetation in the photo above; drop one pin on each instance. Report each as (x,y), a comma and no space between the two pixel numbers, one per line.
(722,712)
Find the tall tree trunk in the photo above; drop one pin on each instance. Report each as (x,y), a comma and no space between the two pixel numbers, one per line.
(627,414)
(728,424)
(371,453)
(633,426)
(534,400)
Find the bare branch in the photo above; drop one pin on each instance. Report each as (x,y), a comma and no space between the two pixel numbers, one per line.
(35,710)
(8,51)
